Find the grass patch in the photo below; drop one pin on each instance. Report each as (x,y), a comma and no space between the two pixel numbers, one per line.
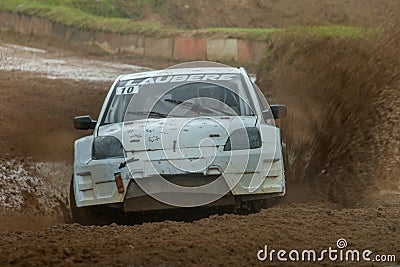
(103,8)
(112,16)
(335,30)
(263,34)
(72,16)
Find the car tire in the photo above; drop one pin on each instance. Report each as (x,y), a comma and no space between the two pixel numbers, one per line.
(83,215)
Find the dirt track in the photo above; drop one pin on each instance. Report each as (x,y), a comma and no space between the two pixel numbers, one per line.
(37,123)
(323,204)
(218,240)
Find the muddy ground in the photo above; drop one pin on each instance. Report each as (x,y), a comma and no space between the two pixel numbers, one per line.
(342,136)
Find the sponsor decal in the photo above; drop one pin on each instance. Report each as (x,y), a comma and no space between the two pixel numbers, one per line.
(133,86)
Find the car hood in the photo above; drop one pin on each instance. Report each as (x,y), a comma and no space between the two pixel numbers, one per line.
(173,133)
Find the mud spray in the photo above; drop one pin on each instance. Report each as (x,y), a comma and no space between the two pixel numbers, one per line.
(343,98)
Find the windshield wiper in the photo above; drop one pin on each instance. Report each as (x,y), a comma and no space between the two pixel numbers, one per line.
(149,113)
(198,107)
(189,104)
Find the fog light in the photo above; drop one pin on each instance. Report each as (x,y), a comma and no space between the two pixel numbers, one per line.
(118,181)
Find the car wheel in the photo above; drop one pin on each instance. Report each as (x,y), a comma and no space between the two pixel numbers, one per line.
(83,215)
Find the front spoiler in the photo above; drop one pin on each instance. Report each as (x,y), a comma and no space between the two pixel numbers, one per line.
(149,203)
(138,200)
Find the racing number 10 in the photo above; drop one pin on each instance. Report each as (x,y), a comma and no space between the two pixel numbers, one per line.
(129,90)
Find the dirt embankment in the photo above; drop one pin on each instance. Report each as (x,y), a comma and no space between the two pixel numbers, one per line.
(343,98)
(193,14)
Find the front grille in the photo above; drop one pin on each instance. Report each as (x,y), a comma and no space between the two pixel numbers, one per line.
(190,180)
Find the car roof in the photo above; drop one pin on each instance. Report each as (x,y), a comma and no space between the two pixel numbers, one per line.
(180,71)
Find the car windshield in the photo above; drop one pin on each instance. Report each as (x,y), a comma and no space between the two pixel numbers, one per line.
(178,96)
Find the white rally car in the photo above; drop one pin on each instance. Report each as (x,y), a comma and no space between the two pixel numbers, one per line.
(177,138)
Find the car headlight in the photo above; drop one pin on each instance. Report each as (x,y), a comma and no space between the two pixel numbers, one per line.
(107,147)
(243,138)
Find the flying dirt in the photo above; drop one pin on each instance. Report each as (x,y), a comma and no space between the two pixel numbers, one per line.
(342,143)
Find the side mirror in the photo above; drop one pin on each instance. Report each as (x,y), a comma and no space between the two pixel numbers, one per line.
(277,112)
(84,123)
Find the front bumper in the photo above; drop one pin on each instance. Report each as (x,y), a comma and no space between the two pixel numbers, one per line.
(95,184)
(138,200)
